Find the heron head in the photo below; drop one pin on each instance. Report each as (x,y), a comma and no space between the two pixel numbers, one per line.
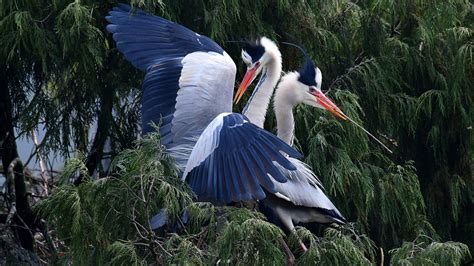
(256,55)
(309,89)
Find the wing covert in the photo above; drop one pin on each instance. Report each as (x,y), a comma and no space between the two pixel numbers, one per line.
(233,158)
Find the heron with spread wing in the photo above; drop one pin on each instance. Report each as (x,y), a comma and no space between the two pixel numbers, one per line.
(188,90)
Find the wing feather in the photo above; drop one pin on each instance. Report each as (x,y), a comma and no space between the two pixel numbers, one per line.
(240,168)
(303,188)
(189,78)
(145,39)
(249,167)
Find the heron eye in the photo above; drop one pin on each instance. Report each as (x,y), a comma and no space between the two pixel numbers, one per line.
(257,64)
(312,90)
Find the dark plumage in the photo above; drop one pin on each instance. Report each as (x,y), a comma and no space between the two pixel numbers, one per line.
(233,161)
(255,50)
(307,73)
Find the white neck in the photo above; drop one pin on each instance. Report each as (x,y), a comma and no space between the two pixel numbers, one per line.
(284,101)
(256,108)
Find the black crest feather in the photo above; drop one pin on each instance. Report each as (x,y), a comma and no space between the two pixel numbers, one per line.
(307,72)
(254,49)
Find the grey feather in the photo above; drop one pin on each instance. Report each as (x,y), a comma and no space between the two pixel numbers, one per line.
(303,187)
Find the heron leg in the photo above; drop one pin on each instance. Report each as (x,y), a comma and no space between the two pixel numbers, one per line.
(290,258)
(286,220)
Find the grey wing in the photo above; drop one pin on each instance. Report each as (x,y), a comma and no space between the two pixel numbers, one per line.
(185,95)
(189,78)
(234,160)
(206,87)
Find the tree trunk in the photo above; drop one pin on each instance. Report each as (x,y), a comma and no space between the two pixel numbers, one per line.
(24,218)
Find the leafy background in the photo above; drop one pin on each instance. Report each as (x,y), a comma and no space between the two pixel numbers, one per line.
(403,69)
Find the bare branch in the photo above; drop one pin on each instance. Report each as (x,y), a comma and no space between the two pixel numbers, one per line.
(41,161)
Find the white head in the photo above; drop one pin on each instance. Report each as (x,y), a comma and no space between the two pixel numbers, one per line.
(304,86)
(257,56)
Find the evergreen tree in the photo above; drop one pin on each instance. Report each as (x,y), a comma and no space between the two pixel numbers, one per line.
(403,69)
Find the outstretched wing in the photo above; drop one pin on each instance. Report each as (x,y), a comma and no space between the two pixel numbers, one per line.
(189,79)
(233,158)
(186,94)
(146,39)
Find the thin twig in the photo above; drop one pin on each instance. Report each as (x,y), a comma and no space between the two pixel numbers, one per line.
(44,19)
(38,147)
(370,134)
(25,226)
(290,258)
(49,241)
(382,257)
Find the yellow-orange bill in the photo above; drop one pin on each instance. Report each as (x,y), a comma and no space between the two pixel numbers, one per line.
(246,81)
(329,105)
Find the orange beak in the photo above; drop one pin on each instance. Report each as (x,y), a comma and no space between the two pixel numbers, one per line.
(328,104)
(246,81)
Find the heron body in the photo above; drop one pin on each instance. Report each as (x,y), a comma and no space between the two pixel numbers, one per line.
(188,90)
(301,199)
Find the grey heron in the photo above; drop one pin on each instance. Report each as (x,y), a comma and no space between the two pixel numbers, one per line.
(188,88)
(301,199)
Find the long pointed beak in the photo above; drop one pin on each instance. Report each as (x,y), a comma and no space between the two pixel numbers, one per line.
(246,81)
(328,104)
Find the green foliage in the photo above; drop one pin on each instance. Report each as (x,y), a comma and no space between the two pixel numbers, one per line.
(399,202)
(425,251)
(335,248)
(110,217)
(104,212)
(397,69)
(123,253)
(61,72)
(248,239)
(75,25)
(402,69)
